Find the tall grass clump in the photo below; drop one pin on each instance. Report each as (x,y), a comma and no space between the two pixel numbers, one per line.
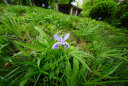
(36,62)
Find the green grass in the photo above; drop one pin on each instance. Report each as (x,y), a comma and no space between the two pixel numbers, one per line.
(97,54)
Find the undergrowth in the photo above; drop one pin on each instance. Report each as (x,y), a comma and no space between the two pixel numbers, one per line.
(97,53)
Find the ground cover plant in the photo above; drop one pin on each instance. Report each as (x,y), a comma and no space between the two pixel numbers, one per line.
(97,54)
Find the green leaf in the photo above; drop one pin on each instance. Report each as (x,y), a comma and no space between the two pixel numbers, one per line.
(68,72)
(107,73)
(75,72)
(79,55)
(27,77)
(3,46)
(43,36)
(31,46)
(11,72)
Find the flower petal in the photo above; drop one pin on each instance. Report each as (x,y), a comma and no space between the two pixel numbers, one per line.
(43,5)
(62,43)
(49,6)
(66,46)
(56,37)
(55,46)
(61,39)
(66,36)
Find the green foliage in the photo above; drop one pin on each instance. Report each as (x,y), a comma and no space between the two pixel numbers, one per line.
(43,61)
(37,3)
(105,9)
(122,8)
(97,52)
(89,4)
(124,19)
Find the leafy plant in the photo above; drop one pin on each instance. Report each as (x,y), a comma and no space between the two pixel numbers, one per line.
(104,9)
(124,19)
(41,63)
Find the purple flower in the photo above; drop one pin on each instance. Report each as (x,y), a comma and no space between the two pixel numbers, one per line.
(100,18)
(43,5)
(61,41)
(49,6)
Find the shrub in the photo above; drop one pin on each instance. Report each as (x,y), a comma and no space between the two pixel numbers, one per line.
(124,19)
(122,8)
(104,9)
